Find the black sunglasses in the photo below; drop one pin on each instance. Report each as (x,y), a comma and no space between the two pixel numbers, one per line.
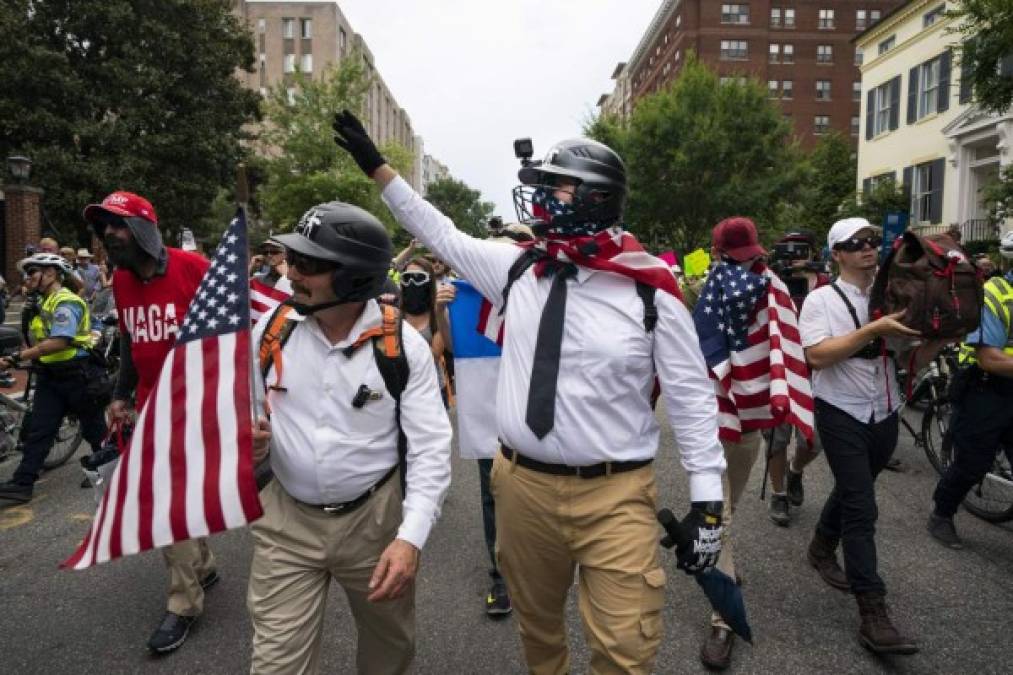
(858,243)
(304,264)
(29,271)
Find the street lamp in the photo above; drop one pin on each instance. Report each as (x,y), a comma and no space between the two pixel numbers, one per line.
(20,167)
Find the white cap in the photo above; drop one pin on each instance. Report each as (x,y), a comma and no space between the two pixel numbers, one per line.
(845,229)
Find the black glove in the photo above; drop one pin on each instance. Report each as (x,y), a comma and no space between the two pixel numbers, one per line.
(697,538)
(351,135)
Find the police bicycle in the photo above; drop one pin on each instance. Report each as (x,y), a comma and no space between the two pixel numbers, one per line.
(929,394)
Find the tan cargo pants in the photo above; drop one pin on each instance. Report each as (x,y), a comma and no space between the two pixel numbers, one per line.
(188,563)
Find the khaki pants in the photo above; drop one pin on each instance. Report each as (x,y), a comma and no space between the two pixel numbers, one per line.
(545,526)
(188,563)
(297,550)
(740,457)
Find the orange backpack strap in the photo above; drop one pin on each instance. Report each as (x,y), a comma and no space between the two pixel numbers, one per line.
(278,330)
(388,330)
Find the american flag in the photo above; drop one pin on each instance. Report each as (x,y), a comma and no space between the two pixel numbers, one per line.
(188,471)
(748,330)
(264,298)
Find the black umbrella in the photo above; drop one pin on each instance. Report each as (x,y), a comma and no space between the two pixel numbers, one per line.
(721,590)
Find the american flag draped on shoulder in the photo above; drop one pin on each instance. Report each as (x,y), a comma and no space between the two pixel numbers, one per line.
(188,471)
(748,331)
(264,298)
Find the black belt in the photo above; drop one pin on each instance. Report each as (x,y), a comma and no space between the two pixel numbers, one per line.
(348,507)
(590,471)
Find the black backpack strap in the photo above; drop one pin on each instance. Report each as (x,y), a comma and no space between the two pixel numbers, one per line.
(646,294)
(851,308)
(520,266)
(395,372)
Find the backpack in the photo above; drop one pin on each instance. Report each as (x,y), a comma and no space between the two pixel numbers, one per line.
(390,358)
(933,279)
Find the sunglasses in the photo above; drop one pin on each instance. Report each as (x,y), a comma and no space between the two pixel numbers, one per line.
(273,251)
(414,278)
(29,271)
(307,265)
(858,243)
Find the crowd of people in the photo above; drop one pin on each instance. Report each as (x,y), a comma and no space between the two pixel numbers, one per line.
(356,376)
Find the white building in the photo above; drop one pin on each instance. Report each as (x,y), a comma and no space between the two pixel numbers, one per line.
(432,170)
(919,124)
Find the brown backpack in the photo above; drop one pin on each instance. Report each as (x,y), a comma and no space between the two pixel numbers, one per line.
(933,279)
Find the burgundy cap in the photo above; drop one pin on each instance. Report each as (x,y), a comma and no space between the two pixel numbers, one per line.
(125,204)
(736,238)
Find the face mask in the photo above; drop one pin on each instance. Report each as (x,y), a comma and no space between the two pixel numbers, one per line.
(417,299)
(559,215)
(124,254)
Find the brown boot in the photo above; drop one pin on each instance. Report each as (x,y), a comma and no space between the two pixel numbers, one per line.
(823,556)
(877,633)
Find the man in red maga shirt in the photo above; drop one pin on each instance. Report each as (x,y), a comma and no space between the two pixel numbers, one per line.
(153,286)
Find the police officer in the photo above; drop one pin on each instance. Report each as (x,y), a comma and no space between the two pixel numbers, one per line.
(337,507)
(61,332)
(982,396)
(574,479)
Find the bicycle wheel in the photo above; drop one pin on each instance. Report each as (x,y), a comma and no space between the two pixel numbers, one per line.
(992,498)
(67,441)
(935,438)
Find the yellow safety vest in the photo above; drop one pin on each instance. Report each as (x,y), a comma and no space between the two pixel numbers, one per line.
(42,324)
(998,299)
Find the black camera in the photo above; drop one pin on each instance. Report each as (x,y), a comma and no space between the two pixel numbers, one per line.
(784,262)
(524,150)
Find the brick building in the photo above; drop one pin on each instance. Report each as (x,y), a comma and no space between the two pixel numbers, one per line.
(800,49)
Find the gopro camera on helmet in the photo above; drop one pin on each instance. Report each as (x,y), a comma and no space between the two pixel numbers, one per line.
(524,150)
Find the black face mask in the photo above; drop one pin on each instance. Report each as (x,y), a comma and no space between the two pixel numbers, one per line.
(417,299)
(129,255)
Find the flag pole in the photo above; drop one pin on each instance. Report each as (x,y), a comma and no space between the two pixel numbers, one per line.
(242,202)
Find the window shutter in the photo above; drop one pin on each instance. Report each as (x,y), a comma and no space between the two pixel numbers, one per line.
(937,169)
(906,185)
(945,62)
(966,84)
(912,95)
(870,114)
(866,186)
(895,102)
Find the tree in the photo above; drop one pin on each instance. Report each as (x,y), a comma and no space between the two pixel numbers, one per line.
(829,182)
(125,94)
(461,204)
(987,52)
(885,197)
(301,164)
(699,151)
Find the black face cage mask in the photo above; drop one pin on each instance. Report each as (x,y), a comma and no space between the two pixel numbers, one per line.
(603,214)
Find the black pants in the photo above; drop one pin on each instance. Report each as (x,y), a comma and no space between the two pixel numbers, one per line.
(488,513)
(55,396)
(982,419)
(857,453)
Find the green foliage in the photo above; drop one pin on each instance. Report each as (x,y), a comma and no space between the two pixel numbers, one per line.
(998,195)
(302,167)
(829,181)
(606,129)
(987,53)
(886,197)
(138,95)
(461,204)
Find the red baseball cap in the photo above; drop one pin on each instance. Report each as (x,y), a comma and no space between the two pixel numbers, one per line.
(736,238)
(121,203)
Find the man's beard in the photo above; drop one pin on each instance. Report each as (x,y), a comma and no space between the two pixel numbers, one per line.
(124,254)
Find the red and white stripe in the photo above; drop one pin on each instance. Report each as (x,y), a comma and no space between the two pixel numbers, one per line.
(264,298)
(767,383)
(188,471)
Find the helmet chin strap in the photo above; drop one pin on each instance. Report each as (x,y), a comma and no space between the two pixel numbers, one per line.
(306,310)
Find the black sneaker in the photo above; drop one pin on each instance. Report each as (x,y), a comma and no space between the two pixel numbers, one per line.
(778,510)
(497,603)
(15,492)
(210,580)
(944,531)
(796,493)
(171,633)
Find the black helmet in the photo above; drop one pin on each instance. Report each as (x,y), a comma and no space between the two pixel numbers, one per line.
(600,174)
(352,239)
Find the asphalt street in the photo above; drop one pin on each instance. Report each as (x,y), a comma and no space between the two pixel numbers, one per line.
(957,604)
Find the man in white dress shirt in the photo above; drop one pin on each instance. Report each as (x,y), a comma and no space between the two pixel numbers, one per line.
(574,481)
(335,508)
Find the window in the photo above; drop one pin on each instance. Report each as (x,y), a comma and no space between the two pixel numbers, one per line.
(263,92)
(822,90)
(854,125)
(826,19)
(261,25)
(342,39)
(678,55)
(927,191)
(887,44)
(788,53)
(789,18)
(824,53)
(740,80)
(775,17)
(773,88)
(861,19)
(288,65)
(883,108)
(290,93)
(306,63)
(307,29)
(821,124)
(933,15)
(929,88)
(874,15)
(858,57)
(856,90)
(288,28)
(736,50)
(775,52)
(787,89)
(678,21)
(735,14)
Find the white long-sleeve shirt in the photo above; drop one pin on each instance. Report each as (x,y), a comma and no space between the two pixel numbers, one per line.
(324,451)
(607,362)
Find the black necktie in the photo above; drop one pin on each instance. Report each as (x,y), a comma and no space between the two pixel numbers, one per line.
(545,368)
